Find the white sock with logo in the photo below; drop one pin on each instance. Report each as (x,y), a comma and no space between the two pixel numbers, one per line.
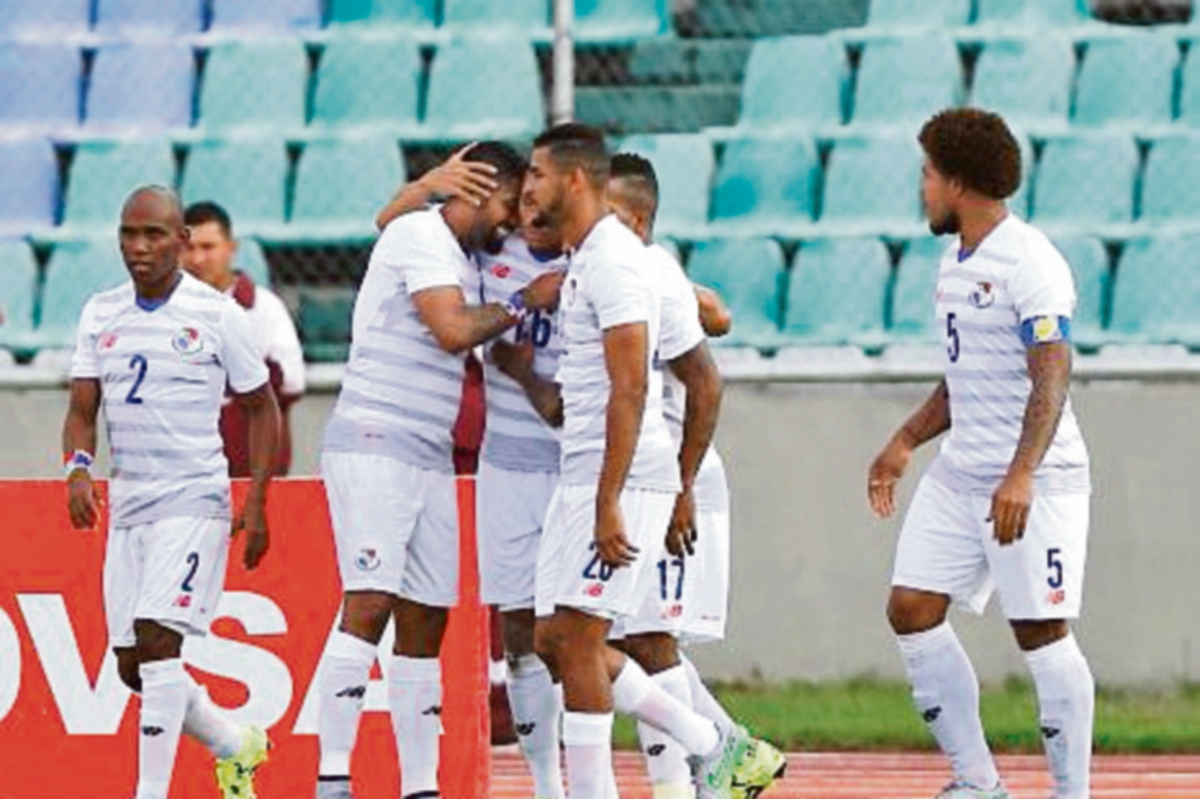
(1067,702)
(160,722)
(209,724)
(666,761)
(536,712)
(415,699)
(946,693)
(342,687)
(635,694)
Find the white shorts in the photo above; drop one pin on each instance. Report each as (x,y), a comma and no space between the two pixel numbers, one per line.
(510,508)
(395,526)
(569,572)
(171,571)
(946,547)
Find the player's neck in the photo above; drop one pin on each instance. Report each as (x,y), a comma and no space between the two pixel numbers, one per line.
(976,223)
(225,281)
(578,226)
(159,292)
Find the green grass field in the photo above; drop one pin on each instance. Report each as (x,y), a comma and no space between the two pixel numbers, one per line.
(877,715)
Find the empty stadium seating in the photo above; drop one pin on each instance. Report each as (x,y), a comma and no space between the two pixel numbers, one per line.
(76,270)
(368,82)
(1031,15)
(102,176)
(1127,80)
(266,15)
(918,13)
(414,14)
(45,19)
(872,185)
(18,293)
(684,165)
(837,292)
(1189,87)
(39,85)
(143,88)
(912,307)
(1089,265)
(773,98)
(217,171)
(484,86)
(766,186)
(29,188)
(149,17)
(254,83)
(1026,80)
(749,274)
(906,79)
(1086,182)
(1170,181)
(520,16)
(1156,295)
(618,20)
(341,184)
(251,260)
(324,324)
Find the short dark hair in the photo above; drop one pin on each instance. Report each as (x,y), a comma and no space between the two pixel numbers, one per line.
(510,165)
(573,145)
(974,147)
(206,211)
(638,176)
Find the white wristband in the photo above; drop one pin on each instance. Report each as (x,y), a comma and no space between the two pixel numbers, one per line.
(79,459)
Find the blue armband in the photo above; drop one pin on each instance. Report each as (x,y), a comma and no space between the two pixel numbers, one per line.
(1045,330)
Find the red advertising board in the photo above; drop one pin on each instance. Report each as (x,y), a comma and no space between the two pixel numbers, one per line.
(67,724)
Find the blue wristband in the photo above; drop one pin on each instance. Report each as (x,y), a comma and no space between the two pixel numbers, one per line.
(79,459)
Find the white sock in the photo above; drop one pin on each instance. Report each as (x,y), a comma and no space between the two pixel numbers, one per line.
(946,693)
(587,738)
(343,674)
(703,702)
(209,724)
(536,712)
(637,695)
(164,703)
(1067,700)
(415,698)
(666,761)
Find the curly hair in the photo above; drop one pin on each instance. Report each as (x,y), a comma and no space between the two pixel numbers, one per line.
(974,147)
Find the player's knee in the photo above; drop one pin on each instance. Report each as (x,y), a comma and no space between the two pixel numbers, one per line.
(518,627)
(911,612)
(655,652)
(547,641)
(365,614)
(1035,634)
(419,629)
(156,642)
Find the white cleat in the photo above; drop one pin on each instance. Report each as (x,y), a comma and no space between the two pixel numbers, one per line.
(961,789)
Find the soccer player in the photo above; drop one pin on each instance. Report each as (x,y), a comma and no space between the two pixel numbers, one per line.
(157,353)
(618,478)
(209,256)
(1005,503)
(686,596)
(387,466)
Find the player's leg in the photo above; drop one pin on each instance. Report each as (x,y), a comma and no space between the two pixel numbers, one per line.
(1040,583)
(536,704)
(666,760)
(938,558)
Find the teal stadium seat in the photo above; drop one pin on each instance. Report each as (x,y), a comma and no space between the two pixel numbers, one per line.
(1026,80)
(18,292)
(266,16)
(872,185)
(684,164)
(600,21)
(524,16)
(341,184)
(254,83)
(657,108)
(139,88)
(102,175)
(1018,203)
(905,80)
(1189,87)
(1127,80)
(1085,181)
(325,324)
(368,82)
(1172,173)
(28,186)
(484,86)
(1034,15)
(748,273)
(766,186)
(44,19)
(1156,295)
(1088,259)
(251,261)
(918,13)
(837,292)
(773,97)
(415,14)
(914,292)
(77,269)
(149,17)
(246,177)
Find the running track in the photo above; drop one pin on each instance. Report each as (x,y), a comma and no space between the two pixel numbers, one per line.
(905,776)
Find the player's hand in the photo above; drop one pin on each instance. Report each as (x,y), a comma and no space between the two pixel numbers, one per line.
(543,291)
(514,360)
(886,470)
(612,546)
(467,180)
(681,535)
(253,520)
(1010,507)
(83,501)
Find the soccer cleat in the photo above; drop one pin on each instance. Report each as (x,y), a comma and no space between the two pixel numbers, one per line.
(758,769)
(713,773)
(334,789)
(235,774)
(961,789)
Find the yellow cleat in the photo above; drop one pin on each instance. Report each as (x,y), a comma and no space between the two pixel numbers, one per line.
(235,774)
(761,765)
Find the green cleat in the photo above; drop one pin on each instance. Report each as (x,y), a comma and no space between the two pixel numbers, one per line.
(713,773)
(758,769)
(235,774)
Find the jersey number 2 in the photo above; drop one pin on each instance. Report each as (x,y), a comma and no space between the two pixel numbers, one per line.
(137,362)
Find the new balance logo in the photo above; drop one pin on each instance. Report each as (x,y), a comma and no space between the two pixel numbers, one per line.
(525,728)
(656,749)
(152,731)
(1050,733)
(353,692)
(931,715)
(436,710)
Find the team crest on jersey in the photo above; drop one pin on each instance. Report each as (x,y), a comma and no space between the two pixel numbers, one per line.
(501,271)
(982,295)
(187,341)
(107,341)
(367,560)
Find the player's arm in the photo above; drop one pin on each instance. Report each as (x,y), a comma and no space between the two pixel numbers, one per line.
(263,423)
(516,361)
(469,180)
(79,448)
(699,375)
(927,423)
(1049,366)
(626,350)
(458,327)
(715,316)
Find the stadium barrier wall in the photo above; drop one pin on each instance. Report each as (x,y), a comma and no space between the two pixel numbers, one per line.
(68,727)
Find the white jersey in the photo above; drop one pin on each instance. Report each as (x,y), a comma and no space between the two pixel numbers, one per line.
(608,285)
(515,437)
(681,333)
(401,393)
(275,334)
(163,372)
(1013,276)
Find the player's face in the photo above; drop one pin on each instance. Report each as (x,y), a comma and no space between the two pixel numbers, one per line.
(209,254)
(936,197)
(152,236)
(540,237)
(496,217)
(545,189)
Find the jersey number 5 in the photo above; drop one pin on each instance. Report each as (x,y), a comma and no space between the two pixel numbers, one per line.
(952,343)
